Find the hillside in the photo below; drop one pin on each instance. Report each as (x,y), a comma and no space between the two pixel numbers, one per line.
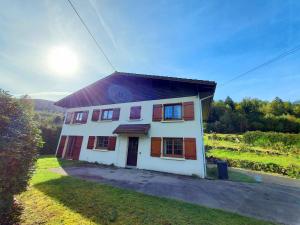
(46,106)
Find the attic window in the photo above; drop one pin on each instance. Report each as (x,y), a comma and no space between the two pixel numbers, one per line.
(107,114)
(78,117)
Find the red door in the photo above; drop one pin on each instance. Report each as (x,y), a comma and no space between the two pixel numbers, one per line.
(73,147)
(77,147)
(61,146)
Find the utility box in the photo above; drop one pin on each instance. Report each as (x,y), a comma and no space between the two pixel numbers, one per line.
(222,170)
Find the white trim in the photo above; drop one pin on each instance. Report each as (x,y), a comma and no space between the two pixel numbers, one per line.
(134,120)
(202,133)
(173,158)
(65,147)
(172,121)
(100,150)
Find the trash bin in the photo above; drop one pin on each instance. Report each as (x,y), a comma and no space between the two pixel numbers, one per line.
(222,170)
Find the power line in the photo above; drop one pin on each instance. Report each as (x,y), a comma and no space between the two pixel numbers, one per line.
(280,56)
(88,30)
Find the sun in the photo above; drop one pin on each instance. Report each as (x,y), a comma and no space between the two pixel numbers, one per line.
(62,61)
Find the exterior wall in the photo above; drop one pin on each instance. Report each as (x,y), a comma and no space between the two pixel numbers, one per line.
(189,129)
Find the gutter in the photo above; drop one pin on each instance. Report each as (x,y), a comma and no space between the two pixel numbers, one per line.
(202,129)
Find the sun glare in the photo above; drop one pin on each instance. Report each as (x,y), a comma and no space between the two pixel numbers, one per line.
(62,61)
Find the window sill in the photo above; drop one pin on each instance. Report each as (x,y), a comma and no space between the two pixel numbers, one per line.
(172,121)
(76,124)
(103,121)
(134,120)
(100,150)
(172,158)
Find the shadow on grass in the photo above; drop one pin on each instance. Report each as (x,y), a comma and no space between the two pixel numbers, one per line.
(83,197)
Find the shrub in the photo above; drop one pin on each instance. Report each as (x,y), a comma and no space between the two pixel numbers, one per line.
(280,141)
(50,137)
(225,137)
(291,170)
(19,140)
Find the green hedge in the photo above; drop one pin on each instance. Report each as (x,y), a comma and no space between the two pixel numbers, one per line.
(283,142)
(279,141)
(243,148)
(291,170)
(226,137)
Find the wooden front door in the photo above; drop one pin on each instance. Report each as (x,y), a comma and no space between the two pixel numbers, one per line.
(133,143)
(73,147)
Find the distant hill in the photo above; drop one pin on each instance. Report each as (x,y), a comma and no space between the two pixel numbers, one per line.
(297,102)
(46,106)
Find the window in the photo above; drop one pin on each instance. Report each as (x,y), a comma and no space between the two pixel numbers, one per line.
(107,114)
(173,112)
(135,112)
(102,142)
(173,147)
(78,117)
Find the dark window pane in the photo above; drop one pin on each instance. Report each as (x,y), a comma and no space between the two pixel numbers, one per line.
(177,111)
(172,112)
(107,114)
(168,112)
(102,142)
(173,147)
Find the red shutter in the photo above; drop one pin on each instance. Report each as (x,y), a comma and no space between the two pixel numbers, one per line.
(135,112)
(61,146)
(112,143)
(157,112)
(155,146)
(188,111)
(96,114)
(190,148)
(69,118)
(91,142)
(116,114)
(77,147)
(85,116)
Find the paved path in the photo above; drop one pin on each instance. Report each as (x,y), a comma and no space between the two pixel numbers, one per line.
(261,200)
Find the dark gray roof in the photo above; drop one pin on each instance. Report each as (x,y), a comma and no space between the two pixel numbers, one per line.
(120,87)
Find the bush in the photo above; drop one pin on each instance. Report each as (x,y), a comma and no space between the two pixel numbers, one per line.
(19,141)
(280,141)
(50,137)
(291,170)
(226,137)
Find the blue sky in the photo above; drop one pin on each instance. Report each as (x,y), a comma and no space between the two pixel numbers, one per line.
(209,40)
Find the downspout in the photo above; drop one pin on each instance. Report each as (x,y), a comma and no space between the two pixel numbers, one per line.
(202,129)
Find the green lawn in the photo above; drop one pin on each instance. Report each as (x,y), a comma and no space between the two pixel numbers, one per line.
(55,199)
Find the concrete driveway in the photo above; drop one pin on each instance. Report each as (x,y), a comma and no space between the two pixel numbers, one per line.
(266,201)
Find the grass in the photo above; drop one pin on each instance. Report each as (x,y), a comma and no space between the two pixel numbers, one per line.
(232,175)
(284,161)
(55,199)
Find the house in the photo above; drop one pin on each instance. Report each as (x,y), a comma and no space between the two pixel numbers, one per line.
(141,121)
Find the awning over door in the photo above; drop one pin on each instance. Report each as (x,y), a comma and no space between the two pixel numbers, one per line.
(132,129)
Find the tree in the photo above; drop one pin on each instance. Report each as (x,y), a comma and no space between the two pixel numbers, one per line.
(19,141)
(277,107)
(230,103)
(253,114)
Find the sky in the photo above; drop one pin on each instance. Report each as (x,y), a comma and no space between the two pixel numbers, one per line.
(206,40)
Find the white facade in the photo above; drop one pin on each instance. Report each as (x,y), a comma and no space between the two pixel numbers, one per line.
(182,129)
